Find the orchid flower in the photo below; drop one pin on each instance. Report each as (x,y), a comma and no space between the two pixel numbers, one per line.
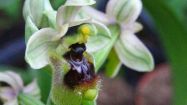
(9,93)
(128,49)
(66,51)
(47,39)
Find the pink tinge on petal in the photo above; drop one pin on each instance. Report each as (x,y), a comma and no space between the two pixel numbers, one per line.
(32,89)
(7,94)
(96,14)
(17,79)
(12,79)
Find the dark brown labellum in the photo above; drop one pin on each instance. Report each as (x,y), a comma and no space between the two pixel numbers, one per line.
(82,71)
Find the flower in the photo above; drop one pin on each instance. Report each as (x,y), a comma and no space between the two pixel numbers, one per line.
(66,51)
(129,49)
(76,81)
(49,39)
(14,87)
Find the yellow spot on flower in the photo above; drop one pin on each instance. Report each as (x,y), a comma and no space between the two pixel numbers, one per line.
(85,32)
(85,29)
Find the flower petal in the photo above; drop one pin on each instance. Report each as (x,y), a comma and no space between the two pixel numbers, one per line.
(49,19)
(102,29)
(7,94)
(81,19)
(133,53)
(79,2)
(62,32)
(65,15)
(35,9)
(134,27)
(95,14)
(125,11)
(38,46)
(30,28)
(97,42)
(16,78)
(137,27)
(67,12)
(12,102)
(12,79)
(32,89)
(101,55)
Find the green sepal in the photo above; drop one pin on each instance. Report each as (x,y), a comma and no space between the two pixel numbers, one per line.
(30,28)
(113,64)
(25,99)
(35,9)
(101,55)
(49,19)
(38,14)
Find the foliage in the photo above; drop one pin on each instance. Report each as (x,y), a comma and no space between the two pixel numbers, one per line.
(173,33)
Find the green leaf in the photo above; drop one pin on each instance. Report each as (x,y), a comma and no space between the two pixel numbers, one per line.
(173,34)
(9,16)
(25,99)
(113,64)
(43,77)
(14,10)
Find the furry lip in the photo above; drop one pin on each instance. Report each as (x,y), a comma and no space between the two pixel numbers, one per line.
(81,75)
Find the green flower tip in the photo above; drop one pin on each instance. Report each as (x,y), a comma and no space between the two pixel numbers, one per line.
(91,94)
